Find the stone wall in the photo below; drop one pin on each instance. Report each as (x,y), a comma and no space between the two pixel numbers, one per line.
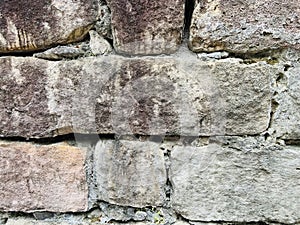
(150,112)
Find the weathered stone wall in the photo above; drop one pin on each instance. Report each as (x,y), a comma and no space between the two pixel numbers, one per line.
(149,112)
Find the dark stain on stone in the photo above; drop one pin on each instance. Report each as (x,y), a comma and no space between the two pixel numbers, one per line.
(23,109)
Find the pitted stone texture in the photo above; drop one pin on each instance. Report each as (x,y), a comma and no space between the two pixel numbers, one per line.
(182,223)
(42,178)
(242,183)
(32,25)
(29,221)
(60,52)
(23,98)
(103,25)
(245,26)
(98,45)
(163,95)
(149,96)
(286,119)
(130,173)
(147,27)
(290,56)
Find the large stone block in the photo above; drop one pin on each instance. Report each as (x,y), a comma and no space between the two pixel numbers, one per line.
(130,173)
(286,118)
(245,26)
(244,182)
(31,25)
(42,178)
(147,27)
(150,96)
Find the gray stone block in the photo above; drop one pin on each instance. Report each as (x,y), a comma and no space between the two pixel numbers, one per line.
(286,119)
(130,173)
(42,178)
(149,96)
(245,26)
(243,182)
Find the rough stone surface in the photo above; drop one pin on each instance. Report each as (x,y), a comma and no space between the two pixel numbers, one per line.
(130,173)
(43,215)
(103,25)
(181,223)
(42,178)
(205,138)
(121,213)
(70,219)
(149,215)
(61,52)
(164,95)
(116,212)
(225,223)
(24,102)
(47,23)
(245,26)
(213,55)
(245,181)
(98,45)
(147,27)
(286,119)
(28,221)
(207,223)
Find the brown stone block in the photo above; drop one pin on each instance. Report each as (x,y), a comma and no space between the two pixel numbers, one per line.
(143,27)
(42,178)
(32,25)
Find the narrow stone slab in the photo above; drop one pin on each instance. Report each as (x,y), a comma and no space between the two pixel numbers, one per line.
(65,221)
(130,173)
(29,221)
(147,27)
(286,119)
(245,26)
(42,178)
(245,183)
(150,96)
(32,25)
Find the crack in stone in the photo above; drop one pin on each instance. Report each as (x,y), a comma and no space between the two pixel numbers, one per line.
(188,14)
